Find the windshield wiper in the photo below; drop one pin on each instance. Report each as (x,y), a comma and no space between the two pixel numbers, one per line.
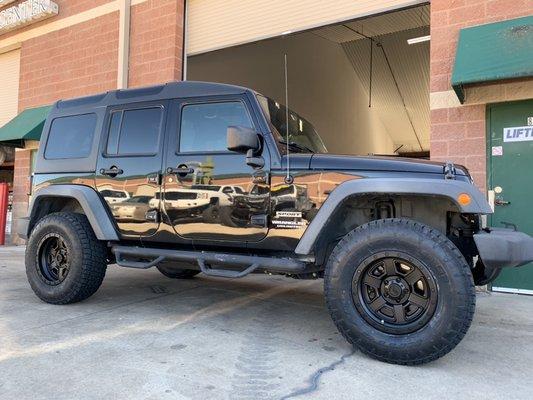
(297,146)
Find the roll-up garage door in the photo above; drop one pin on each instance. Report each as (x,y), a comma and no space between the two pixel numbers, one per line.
(216,24)
(9,87)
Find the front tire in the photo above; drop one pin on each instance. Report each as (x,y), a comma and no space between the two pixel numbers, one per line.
(400,291)
(65,262)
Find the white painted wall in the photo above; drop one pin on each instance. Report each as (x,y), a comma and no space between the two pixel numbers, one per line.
(323,87)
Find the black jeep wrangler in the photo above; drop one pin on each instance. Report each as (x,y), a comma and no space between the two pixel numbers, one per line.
(208,178)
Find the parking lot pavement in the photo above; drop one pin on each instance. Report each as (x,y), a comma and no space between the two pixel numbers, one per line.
(144,336)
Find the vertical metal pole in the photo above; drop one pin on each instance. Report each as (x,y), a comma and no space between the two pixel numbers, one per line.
(4,199)
(371,73)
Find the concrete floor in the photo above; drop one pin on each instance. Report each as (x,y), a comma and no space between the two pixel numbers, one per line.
(144,336)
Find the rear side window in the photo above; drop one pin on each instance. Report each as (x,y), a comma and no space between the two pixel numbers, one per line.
(135,131)
(204,126)
(70,137)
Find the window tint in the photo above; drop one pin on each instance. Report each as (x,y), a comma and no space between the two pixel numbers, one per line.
(135,131)
(71,137)
(204,126)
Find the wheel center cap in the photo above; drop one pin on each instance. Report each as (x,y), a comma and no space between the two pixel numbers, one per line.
(394,290)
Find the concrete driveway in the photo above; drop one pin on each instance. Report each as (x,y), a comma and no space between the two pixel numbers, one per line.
(144,336)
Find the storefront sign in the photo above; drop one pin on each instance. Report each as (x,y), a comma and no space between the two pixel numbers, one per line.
(25,13)
(518,134)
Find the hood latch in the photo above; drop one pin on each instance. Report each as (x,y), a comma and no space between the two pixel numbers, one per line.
(449,170)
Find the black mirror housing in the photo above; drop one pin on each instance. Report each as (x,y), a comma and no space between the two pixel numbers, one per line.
(242,139)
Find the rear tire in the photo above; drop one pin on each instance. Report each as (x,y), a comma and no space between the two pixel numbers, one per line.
(175,272)
(382,308)
(65,262)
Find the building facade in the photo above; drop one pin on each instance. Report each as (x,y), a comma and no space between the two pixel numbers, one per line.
(52,50)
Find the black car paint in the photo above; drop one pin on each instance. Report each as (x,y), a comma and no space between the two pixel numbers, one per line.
(306,169)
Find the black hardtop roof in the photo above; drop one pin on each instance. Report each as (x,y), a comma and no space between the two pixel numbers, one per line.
(165,91)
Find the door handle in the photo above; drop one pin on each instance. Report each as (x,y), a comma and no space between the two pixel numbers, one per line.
(181,170)
(111,172)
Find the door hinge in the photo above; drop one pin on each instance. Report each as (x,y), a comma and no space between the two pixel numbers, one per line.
(449,170)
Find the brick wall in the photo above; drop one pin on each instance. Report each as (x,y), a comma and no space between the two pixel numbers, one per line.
(83,59)
(75,61)
(156,42)
(458,132)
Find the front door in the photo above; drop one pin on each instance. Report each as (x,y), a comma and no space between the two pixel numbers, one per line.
(129,167)
(510,152)
(210,193)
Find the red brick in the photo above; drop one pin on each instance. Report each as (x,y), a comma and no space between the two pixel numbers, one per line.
(466,113)
(469,13)
(467,147)
(439,116)
(448,131)
(498,8)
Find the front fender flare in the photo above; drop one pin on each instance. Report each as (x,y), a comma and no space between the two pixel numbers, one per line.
(408,186)
(90,202)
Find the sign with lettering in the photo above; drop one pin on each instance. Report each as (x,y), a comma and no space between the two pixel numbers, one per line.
(25,13)
(518,134)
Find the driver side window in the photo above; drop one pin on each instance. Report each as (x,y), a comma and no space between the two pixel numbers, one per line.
(204,126)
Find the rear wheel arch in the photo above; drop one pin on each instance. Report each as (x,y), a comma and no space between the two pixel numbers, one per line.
(76,199)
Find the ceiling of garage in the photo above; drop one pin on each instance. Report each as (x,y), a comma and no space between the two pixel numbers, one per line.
(400,72)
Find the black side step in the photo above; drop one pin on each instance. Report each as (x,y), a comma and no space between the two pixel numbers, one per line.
(204,258)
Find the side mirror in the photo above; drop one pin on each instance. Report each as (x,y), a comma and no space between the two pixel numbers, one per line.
(242,139)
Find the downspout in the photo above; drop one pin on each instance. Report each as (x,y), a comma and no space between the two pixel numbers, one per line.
(124,43)
(185,36)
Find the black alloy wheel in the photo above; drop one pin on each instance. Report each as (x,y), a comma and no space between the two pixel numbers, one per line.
(394,292)
(54,263)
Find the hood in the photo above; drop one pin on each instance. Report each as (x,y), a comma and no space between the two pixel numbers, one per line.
(379,163)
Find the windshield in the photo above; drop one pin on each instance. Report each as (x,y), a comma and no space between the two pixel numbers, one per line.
(302,133)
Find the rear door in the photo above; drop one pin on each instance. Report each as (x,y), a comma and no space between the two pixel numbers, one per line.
(128,174)
(510,151)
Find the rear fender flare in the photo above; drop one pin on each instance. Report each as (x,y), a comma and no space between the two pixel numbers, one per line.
(89,200)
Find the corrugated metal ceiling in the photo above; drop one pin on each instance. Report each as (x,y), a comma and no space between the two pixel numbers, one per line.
(400,87)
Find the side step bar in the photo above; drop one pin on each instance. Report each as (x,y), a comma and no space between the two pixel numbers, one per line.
(204,259)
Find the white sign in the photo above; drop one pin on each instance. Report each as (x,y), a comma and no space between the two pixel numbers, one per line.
(25,13)
(8,222)
(497,150)
(518,134)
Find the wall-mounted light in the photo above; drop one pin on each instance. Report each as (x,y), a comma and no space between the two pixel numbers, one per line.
(419,39)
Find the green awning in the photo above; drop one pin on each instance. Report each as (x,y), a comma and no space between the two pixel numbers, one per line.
(28,125)
(493,52)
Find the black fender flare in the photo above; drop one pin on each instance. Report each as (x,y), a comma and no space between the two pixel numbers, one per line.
(409,186)
(89,200)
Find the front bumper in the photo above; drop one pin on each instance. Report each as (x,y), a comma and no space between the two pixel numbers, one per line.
(500,248)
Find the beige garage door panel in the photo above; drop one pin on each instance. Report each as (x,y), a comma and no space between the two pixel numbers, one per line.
(215,24)
(9,88)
